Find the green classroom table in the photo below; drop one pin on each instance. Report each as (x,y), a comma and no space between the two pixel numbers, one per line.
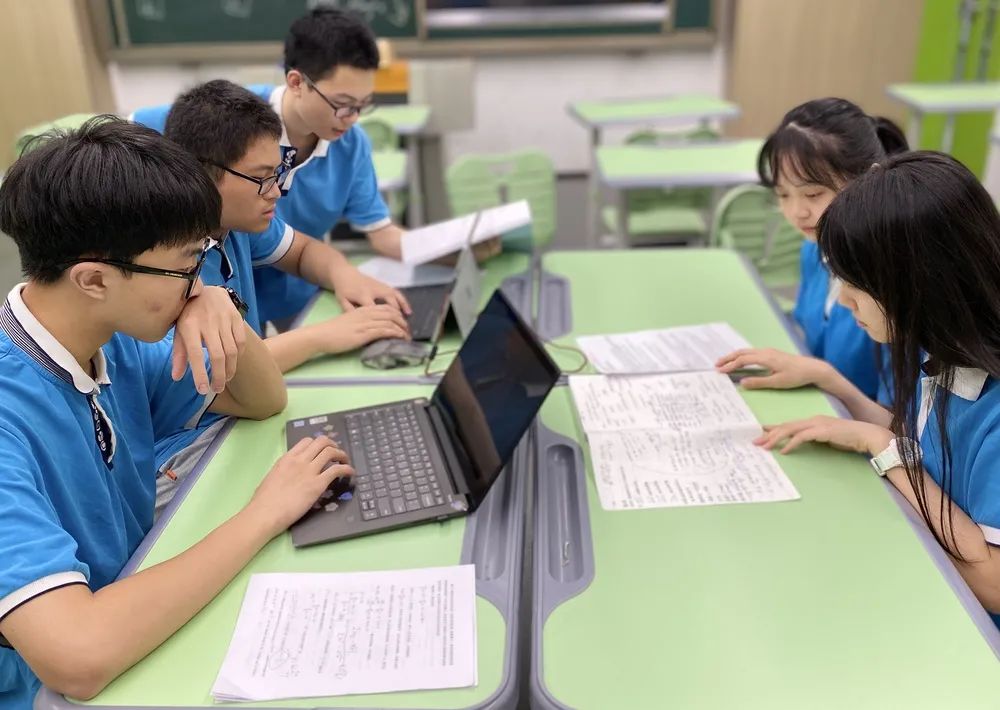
(596,115)
(840,599)
(181,672)
(409,121)
(390,169)
(947,98)
(717,164)
(509,270)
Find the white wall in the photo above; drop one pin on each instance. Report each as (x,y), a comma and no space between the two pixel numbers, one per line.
(519,101)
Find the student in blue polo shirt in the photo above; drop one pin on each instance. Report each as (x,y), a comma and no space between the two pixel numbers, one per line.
(234,133)
(85,380)
(916,243)
(820,147)
(330,63)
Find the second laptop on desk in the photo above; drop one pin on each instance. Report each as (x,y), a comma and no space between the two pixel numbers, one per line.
(421,460)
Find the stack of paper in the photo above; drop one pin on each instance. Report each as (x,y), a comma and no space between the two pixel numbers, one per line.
(685,349)
(318,635)
(428,243)
(400,275)
(675,440)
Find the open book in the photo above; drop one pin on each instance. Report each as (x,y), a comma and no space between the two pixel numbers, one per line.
(428,243)
(675,440)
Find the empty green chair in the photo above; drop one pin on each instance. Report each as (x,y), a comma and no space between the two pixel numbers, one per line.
(664,214)
(748,221)
(380,133)
(74,120)
(383,136)
(475,182)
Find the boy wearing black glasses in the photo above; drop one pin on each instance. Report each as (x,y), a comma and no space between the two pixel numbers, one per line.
(110,222)
(234,134)
(330,63)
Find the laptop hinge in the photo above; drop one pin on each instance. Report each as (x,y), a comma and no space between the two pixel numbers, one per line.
(449,446)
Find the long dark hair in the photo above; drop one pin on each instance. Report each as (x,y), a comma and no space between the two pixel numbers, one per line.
(828,142)
(920,235)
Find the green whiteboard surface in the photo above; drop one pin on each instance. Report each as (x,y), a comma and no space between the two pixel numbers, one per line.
(180,22)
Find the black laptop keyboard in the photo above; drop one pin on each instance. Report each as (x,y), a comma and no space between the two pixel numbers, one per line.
(398,475)
(426,303)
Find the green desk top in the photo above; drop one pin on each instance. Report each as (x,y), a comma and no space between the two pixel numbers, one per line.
(406,119)
(637,111)
(712,164)
(826,602)
(349,365)
(390,169)
(948,98)
(660,293)
(182,671)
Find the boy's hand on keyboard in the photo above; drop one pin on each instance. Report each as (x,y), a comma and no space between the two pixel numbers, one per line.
(354,289)
(359,327)
(296,481)
(208,319)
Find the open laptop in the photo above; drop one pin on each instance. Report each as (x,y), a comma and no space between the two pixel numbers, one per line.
(421,460)
(430,304)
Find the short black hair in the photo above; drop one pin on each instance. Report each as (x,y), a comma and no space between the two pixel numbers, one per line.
(326,38)
(218,121)
(110,189)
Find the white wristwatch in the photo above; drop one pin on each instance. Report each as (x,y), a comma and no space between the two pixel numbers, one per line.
(893,456)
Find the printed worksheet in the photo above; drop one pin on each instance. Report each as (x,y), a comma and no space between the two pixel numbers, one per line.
(684,349)
(317,635)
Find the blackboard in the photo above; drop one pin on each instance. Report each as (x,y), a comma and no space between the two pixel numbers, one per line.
(179,22)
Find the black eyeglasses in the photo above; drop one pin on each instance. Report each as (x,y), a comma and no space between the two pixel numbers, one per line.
(264,185)
(190,276)
(341,110)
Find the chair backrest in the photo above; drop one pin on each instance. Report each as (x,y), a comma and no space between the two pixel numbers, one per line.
(381,133)
(742,220)
(748,221)
(73,120)
(780,265)
(475,182)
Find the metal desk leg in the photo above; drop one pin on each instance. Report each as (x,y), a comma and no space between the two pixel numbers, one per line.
(620,238)
(948,138)
(416,207)
(593,190)
(915,123)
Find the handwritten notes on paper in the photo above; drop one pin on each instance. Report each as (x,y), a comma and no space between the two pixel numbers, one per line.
(317,635)
(684,349)
(675,440)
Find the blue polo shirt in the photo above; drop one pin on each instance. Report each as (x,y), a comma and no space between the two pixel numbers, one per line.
(231,263)
(335,183)
(76,470)
(831,333)
(973,425)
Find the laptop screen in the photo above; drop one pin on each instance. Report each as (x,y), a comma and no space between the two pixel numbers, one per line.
(492,392)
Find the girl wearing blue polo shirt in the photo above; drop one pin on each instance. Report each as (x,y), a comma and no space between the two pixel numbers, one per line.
(819,147)
(916,243)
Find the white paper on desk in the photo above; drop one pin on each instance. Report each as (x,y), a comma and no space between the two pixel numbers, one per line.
(693,401)
(317,635)
(683,349)
(425,244)
(659,469)
(399,275)
(674,440)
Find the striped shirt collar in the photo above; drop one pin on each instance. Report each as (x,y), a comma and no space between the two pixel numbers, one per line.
(30,335)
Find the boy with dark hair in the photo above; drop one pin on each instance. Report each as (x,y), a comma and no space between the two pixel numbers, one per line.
(234,134)
(110,222)
(330,62)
